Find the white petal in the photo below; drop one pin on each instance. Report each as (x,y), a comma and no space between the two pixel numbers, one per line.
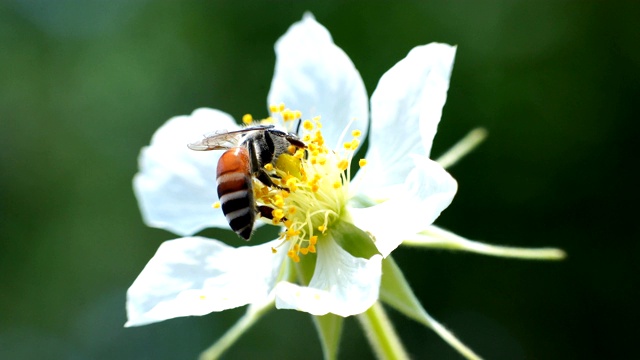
(176,186)
(342,284)
(315,76)
(405,111)
(195,276)
(428,190)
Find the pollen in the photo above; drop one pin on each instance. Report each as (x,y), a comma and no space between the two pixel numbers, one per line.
(277,214)
(307,125)
(362,162)
(288,115)
(311,184)
(216,205)
(247,119)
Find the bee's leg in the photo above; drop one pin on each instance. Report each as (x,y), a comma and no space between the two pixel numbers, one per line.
(267,212)
(266,179)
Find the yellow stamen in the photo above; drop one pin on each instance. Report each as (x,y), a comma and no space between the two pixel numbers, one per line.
(307,125)
(343,164)
(362,162)
(247,119)
(311,184)
(216,205)
(277,213)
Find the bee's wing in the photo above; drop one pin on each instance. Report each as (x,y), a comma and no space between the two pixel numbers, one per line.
(223,139)
(220,140)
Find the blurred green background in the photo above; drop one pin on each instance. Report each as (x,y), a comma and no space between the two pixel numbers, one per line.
(84,84)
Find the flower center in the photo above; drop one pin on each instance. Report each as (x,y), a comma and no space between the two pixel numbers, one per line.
(314,184)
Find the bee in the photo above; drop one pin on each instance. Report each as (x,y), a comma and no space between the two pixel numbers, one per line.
(248,150)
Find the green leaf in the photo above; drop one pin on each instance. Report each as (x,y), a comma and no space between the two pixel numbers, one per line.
(329,331)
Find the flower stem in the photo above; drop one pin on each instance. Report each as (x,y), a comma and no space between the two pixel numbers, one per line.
(381,334)
(254,312)
(439,238)
(462,147)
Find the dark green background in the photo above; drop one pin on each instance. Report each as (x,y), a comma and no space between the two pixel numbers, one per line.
(83,85)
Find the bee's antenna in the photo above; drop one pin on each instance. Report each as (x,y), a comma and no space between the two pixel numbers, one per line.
(298,127)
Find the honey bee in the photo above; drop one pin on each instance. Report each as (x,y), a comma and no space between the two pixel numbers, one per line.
(248,150)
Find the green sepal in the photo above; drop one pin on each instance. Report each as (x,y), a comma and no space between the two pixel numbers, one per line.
(396,292)
(329,329)
(353,240)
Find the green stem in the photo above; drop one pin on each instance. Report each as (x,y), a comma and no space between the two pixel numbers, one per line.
(253,314)
(381,334)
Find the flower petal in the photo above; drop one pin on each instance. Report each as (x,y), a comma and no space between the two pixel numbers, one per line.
(341,284)
(414,206)
(176,186)
(405,111)
(315,76)
(196,276)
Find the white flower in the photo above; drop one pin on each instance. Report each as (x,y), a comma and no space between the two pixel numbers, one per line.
(326,214)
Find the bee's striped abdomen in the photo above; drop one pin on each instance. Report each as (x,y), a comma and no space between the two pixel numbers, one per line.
(235,191)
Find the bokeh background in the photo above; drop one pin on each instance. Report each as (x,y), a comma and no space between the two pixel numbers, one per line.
(84,84)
